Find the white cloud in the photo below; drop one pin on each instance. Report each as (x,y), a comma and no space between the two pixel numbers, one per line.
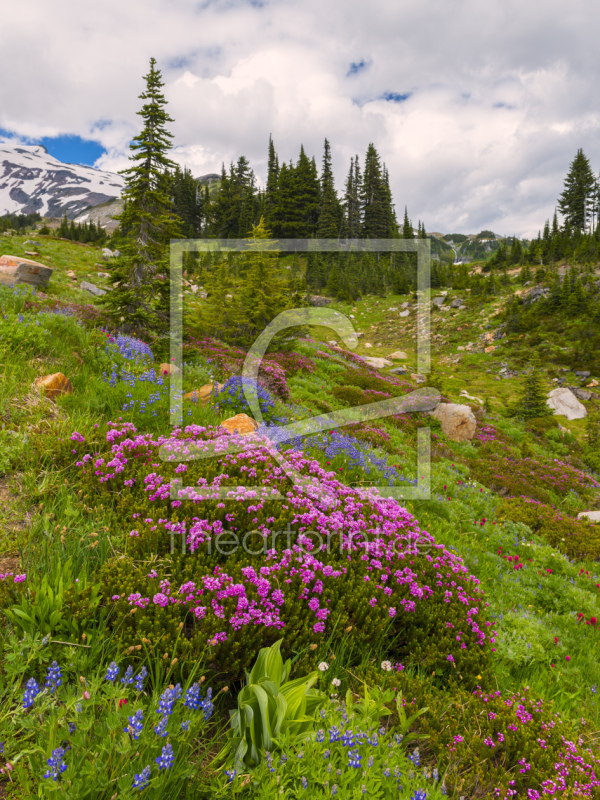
(501,94)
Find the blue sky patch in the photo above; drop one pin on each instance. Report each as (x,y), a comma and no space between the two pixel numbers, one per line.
(357,66)
(72,149)
(396,97)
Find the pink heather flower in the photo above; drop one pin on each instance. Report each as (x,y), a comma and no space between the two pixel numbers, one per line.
(319,627)
(392,612)
(450,658)
(160,599)
(568,658)
(86,695)
(20,578)
(116,597)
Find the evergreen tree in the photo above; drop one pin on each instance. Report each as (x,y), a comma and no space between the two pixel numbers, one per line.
(330,209)
(352,202)
(407,228)
(532,400)
(187,202)
(272,179)
(576,203)
(147,221)
(375,198)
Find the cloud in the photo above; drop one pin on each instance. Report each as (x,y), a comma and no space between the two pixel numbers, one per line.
(477,109)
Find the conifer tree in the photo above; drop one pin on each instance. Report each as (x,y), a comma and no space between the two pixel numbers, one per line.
(375,198)
(330,209)
(272,179)
(147,221)
(352,201)
(532,400)
(576,203)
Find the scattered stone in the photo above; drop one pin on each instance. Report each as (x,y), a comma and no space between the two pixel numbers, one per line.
(398,355)
(405,304)
(592,384)
(31,242)
(461,308)
(564,403)
(91,288)
(332,343)
(464,393)
(168,369)
(104,274)
(537,292)
(15,270)
(108,253)
(418,378)
(581,394)
(399,371)
(404,313)
(71,274)
(204,393)
(456,303)
(458,421)
(489,349)
(241,423)
(377,363)
(53,386)
(368,344)
(31,253)
(593,516)
(582,373)
(438,301)
(460,347)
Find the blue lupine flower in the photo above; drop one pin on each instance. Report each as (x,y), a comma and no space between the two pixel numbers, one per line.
(231,773)
(364,789)
(128,677)
(167,700)
(320,735)
(56,764)
(370,761)
(1,748)
(334,734)
(354,758)
(136,724)
(185,725)
(435,774)
(112,671)
(161,728)
(166,758)
(143,779)
(31,689)
(334,789)
(386,772)
(53,680)
(348,739)
(72,727)
(207,704)
(326,753)
(419,794)
(304,782)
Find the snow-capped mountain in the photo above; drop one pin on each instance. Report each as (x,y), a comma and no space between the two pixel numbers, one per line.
(33,180)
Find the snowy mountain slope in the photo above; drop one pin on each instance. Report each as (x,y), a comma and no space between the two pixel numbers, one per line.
(33,180)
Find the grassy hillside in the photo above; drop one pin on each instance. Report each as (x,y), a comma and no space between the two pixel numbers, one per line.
(480,603)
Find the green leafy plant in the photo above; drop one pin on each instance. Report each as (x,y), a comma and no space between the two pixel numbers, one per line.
(271,706)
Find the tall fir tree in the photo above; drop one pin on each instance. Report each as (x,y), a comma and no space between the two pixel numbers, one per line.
(352,201)
(376,220)
(272,179)
(532,399)
(147,222)
(576,203)
(330,209)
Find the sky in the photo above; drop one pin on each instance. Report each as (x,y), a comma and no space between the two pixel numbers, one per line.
(477,109)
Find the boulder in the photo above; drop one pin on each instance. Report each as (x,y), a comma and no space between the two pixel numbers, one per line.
(592,384)
(404,313)
(168,369)
(564,403)
(418,378)
(458,421)
(490,348)
(16,269)
(398,355)
(104,274)
(377,363)
(204,393)
(91,288)
(399,371)
(72,275)
(241,423)
(53,386)
(368,344)
(582,373)
(593,516)
(456,303)
(535,293)
(438,301)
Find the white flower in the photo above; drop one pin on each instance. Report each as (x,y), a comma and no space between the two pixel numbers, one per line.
(323,666)
(336,681)
(386,665)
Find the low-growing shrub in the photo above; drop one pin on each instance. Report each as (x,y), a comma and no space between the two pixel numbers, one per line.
(576,538)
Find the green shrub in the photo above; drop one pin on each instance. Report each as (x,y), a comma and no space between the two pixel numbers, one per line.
(576,538)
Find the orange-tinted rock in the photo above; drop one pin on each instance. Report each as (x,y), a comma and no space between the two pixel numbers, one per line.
(490,349)
(203,394)
(53,385)
(15,269)
(241,423)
